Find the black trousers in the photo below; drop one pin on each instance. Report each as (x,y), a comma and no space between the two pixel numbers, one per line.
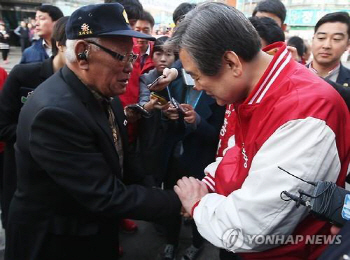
(173,226)
(24,43)
(5,53)
(1,185)
(33,242)
(225,255)
(73,248)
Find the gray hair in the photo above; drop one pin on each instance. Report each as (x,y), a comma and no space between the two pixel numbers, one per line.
(211,29)
(70,52)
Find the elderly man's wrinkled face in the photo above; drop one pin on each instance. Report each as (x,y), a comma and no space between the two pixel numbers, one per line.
(109,75)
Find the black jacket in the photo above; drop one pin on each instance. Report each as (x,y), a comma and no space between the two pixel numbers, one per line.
(343,76)
(21,82)
(69,177)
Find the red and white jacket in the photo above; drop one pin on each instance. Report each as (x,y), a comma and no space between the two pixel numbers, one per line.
(292,119)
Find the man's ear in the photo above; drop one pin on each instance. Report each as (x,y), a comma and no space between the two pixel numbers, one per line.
(81,51)
(232,60)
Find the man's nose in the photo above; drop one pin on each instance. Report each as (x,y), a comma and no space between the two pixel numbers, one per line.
(128,67)
(197,87)
(327,43)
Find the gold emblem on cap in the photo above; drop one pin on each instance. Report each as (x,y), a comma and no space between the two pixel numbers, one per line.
(85,29)
(346,84)
(125,16)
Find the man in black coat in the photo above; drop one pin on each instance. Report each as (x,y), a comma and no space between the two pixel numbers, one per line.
(20,84)
(70,150)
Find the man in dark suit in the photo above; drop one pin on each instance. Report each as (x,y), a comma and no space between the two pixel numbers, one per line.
(331,40)
(70,150)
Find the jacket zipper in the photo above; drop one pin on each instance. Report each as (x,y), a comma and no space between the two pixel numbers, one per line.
(244,153)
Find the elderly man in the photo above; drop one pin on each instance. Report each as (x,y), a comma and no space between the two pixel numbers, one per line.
(70,150)
(285,116)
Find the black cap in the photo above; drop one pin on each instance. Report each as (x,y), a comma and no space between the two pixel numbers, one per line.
(101,20)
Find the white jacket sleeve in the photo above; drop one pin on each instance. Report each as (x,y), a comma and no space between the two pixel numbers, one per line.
(304,147)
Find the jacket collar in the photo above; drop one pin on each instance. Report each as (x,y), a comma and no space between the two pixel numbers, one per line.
(276,68)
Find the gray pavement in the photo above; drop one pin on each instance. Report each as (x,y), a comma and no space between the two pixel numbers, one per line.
(14,58)
(148,244)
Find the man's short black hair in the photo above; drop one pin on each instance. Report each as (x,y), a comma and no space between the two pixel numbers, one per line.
(53,11)
(268,29)
(341,17)
(146,16)
(275,7)
(133,8)
(182,10)
(298,43)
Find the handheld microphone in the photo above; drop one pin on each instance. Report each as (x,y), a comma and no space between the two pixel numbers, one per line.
(168,74)
(172,74)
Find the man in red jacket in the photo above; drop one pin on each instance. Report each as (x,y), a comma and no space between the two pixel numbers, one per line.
(285,116)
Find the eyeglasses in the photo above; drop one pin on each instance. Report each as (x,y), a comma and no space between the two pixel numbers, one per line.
(130,57)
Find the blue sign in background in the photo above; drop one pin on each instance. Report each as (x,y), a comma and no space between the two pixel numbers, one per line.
(307,17)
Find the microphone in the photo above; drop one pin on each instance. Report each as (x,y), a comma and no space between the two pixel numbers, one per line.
(170,74)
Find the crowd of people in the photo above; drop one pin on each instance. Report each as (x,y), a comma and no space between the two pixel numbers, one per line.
(104,124)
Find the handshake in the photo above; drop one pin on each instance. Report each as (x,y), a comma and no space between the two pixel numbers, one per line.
(190,192)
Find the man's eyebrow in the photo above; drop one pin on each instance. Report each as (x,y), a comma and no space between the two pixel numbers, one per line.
(337,33)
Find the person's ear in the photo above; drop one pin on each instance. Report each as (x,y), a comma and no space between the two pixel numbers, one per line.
(284,27)
(82,54)
(232,61)
(60,47)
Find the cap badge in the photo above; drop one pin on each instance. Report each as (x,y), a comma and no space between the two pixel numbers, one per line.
(85,29)
(125,16)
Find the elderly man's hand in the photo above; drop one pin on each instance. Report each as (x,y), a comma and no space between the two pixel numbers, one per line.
(190,191)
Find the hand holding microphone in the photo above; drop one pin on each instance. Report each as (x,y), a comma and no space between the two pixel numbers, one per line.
(164,80)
